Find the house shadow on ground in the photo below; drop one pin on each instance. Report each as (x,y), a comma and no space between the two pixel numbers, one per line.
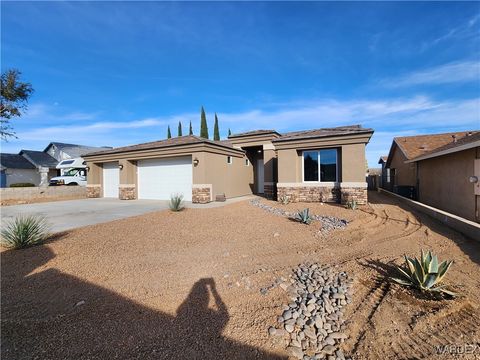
(47,314)
(470,247)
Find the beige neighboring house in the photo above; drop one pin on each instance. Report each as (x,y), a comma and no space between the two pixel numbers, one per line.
(442,169)
(314,165)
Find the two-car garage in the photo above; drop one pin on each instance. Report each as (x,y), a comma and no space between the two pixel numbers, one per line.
(157,179)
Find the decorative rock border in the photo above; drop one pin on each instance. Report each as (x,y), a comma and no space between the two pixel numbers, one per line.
(329,223)
(313,321)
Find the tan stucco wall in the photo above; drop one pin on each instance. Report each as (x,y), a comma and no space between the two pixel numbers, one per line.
(94,174)
(351,161)
(233,180)
(405,174)
(443,183)
(128,175)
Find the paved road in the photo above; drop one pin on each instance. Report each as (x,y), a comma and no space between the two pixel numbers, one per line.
(70,214)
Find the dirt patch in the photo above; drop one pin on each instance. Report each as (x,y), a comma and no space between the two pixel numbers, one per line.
(188,285)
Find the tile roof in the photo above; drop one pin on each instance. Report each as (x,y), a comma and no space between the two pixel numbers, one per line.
(460,142)
(415,146)
(75,150)
(383,158)
(175,141)
(324,132)
(14,161)
(253,132)
(39,158)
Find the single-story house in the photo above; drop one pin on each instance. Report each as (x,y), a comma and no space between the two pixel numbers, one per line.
(38,167)
(448,178)
(400,174)
(14,169)
(383,172)
(314,165)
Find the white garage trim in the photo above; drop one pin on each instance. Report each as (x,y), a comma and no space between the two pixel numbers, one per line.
(111,179)
(160,178)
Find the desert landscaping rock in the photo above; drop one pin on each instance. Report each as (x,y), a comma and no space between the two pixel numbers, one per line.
(329,223)
(315,316)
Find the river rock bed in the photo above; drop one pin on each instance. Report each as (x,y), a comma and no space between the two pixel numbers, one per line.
(328,223)
(313,321)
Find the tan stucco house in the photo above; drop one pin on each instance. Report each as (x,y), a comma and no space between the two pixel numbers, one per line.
(440,168)
(314,165)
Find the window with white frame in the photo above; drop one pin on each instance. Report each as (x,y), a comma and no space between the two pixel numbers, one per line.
(247,162)
(229,159)
(388,175)
(320,165)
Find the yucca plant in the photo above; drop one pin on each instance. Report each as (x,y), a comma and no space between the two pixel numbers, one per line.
(303,216)
(25,231)
(424,274)
(176,202)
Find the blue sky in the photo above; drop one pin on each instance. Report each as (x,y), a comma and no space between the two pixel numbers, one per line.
(117,73)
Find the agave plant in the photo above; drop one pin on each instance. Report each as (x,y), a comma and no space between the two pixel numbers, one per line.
(176,202)
(352,204)
(25,231)
(284,199)
(303,216)
(424,274)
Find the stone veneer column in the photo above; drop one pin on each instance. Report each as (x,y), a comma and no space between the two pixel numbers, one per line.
(94,190)
(201,193)
(127,192)
(354,191)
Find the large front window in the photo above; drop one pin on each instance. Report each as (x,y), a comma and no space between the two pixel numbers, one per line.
(320,165)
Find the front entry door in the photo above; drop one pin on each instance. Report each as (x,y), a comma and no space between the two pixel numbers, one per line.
(260,176)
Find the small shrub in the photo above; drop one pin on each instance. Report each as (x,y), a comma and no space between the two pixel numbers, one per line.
(424,274)
(176,202)
(22,185)
(352,204)
(25,231)
(303,216)
(284,199)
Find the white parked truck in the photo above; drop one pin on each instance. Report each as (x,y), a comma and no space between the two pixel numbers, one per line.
(74,173)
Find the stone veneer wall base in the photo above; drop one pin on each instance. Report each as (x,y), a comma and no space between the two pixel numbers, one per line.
(336,193)
(94,191)
(201,193)
(127,192)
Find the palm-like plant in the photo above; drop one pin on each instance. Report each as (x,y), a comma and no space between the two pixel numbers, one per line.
(424,274)
(25,231)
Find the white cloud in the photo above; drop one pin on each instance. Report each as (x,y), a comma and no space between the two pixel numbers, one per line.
(455,72)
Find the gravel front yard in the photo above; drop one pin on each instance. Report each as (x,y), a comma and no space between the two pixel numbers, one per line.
(205,284)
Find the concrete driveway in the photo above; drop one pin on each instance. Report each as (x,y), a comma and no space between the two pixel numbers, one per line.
(70,214)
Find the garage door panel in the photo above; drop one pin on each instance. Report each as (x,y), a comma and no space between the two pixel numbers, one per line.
(160,178)
(111,179)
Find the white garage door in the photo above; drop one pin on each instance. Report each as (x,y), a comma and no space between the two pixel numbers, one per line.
(160,178)
(111,179)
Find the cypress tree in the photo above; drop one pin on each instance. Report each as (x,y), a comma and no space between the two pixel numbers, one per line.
(216,132)
(190,131)
(229,132)
(169,134)
(203,125)
(179,128)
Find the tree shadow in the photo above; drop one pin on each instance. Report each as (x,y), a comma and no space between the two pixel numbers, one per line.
(470,247)
(48,314)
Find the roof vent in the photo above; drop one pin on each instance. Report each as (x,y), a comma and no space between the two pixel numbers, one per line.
(469,133)
(423,147)
(454,137)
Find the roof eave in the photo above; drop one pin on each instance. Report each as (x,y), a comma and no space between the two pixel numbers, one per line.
(280,140)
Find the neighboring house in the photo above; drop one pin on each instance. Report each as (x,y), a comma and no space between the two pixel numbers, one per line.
(45,164)
(314,165)
(14,169)
(401,175)
(448,177)
(38,167)
(62,151)
(384,174)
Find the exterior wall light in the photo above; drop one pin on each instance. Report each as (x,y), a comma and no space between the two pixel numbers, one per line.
(87,168)
(473,179)
(196,162)
(120,166)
